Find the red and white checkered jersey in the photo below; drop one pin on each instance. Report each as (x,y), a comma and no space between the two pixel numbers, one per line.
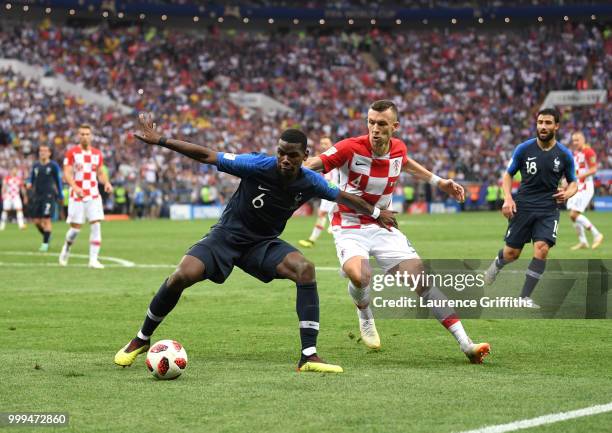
(332,177)
(584,160)
(85,165)
(362,173)
(11,186)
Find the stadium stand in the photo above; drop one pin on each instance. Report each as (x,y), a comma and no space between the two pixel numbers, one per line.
(467,96)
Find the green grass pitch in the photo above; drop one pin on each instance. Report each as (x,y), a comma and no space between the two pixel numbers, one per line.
(60,328)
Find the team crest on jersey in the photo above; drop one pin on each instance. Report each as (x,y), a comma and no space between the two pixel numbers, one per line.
(395,166)
(556,165)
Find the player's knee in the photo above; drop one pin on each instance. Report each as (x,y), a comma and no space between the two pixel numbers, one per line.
(181,279)
(541,250)
(573,215)
(511,254)
(359,276)
(305,270)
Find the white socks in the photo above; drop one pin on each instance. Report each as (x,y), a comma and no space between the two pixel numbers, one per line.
(4,219)
(95,240)
(142,336)
(361,297)
(581,233)
(460,335)
(20,219)
(584,222)
(71,235)
(318,228)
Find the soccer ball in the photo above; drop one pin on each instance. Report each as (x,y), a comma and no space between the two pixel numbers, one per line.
(166,359)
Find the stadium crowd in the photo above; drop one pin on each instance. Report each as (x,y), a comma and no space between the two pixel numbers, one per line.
(467,97)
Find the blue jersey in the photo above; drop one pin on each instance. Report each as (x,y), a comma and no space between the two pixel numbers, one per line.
(262,204)
(541,171)
(46,179)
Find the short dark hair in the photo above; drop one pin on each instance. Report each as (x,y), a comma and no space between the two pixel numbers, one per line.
(549,112)
(383,105)
(47,146)
(85,126)
(295,136)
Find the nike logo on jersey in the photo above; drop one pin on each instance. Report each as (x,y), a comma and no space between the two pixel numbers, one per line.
(533,157)
(262,188)
(357,163)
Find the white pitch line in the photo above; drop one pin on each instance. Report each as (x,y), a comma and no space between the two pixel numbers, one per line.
(545,419)
(85,265)
(119,264)
(122,262)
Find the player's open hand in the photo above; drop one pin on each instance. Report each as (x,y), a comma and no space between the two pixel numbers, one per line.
(562,195)
(509,208)
(148,129)
(387,219)
(453,189)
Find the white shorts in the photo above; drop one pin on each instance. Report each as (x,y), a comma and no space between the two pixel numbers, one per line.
(580,201)
(12,204)
(388,247)
(326,205)
(81,211)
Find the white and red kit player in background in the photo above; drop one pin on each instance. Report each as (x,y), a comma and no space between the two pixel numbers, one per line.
(586,167)
(82,168)
(370,166)
(12,186)
(326,206)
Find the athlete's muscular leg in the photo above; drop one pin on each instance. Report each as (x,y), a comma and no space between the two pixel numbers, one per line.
(358,270)
(573,214)
(410,267)
(297,268)
(540,250)
(46,224)
(189,271)
(511,254)
(445,315)
(536,268)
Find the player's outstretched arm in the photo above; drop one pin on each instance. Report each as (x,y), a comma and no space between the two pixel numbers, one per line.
(314,163)
(449,186)
(385,218)
(150,135)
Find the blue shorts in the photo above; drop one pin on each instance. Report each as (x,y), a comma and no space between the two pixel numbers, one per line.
(220,250)
(526,226)
(43,206)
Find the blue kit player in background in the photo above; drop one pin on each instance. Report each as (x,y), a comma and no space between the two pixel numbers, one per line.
(534,213)
(272,188)
(46,184)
